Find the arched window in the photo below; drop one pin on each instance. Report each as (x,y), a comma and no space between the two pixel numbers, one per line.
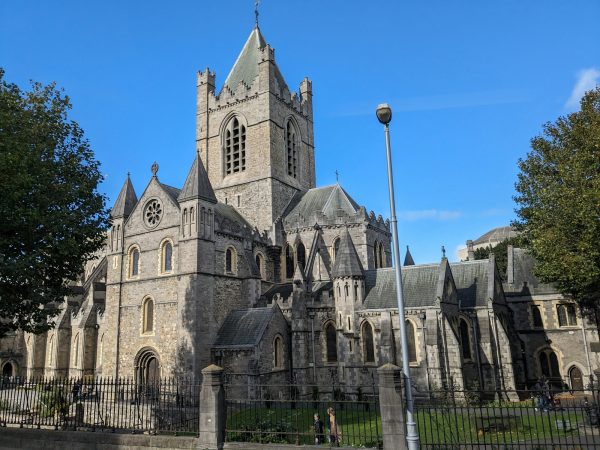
(148,316)
(289,262)
(368,344)
(412,342)
(567,316)
(118,237)
(334,249)
(184,221)
(230,261)
(331,342)
(382,258)
(134,262)
(167,257)
(549,366)
(51,351)
(192,219)
(536,316)
(376,254)
(260,263)
(301,255)
(465,340)
(278,352)
(76,350)
(291,147)
(235,147)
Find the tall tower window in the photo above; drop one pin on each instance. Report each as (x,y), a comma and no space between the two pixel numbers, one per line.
(368,345)
(235,147)
(465,340)
(292,151)
(331,342)
(301,255)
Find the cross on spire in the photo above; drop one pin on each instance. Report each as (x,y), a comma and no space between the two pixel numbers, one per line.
(337,176)
(256,3)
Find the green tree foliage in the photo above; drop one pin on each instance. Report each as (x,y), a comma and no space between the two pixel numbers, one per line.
(558,202)
(52,218)
(500,252)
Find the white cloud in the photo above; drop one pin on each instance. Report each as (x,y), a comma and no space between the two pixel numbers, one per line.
(587,79)
(428,214)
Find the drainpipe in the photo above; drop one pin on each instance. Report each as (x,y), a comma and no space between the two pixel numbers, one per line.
(475,325)
(424,334)
(312,338)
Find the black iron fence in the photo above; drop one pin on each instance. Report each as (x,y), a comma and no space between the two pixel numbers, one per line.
(286,414)
(538,419)
(166,406)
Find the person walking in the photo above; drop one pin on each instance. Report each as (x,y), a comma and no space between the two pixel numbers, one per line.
(335,434)
(319,432)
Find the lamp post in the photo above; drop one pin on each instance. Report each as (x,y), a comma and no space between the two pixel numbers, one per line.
(384,115)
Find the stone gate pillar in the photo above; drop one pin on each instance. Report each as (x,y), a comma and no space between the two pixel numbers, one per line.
(391,406)
(212,409)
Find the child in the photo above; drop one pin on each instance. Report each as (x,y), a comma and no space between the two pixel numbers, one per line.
(319,434)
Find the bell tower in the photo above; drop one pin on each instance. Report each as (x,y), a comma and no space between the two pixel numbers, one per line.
(254,135)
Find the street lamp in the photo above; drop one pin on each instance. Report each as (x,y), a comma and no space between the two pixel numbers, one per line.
(384,115)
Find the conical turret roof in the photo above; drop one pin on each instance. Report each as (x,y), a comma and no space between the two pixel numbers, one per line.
(245,68)
(347,263)
(197,184)
(408,259)
(126,200)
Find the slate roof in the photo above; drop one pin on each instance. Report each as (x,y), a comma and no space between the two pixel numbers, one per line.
(419,282)
(229,212)
(245,68)
(283,289)
(327,200)
(347,263)
(173,192)
(471,280)
(197,184)
(126,200)
(523,272)
(496,235)
(244,328)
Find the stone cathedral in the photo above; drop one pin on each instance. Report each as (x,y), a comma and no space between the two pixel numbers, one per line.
(251,266)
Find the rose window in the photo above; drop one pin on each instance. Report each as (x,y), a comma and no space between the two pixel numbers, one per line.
(153,213)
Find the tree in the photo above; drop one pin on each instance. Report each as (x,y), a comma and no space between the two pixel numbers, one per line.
(53,219)
(558,203)
(500,251)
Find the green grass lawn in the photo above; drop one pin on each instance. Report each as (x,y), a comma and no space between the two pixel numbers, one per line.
(524,426)
(359,427)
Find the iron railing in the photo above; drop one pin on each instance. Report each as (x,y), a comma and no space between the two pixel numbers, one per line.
(166,406)
(284,414)
(537,419)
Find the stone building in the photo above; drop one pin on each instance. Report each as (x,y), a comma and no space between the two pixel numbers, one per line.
(250,266)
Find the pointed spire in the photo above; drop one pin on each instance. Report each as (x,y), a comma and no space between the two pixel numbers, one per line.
(299,278)
(347,263)
(197,184)
(245,69)
(408,259)
(126,200)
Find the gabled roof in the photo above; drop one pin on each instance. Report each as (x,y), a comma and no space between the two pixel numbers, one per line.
(408,259)
(126,200)
(472,282)
(245,69)
(347,263)
(419,287)
(328,200)
(244,327)
(197,184)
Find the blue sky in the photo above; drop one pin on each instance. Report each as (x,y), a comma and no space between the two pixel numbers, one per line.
(470,83)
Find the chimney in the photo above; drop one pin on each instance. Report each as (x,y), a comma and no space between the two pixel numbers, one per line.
(470,251)
(510,268)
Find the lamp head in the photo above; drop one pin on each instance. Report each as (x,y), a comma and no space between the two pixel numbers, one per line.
(384,113)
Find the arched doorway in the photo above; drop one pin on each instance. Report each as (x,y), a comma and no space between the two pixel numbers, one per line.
(576,378)
(8,370)
(148,368)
